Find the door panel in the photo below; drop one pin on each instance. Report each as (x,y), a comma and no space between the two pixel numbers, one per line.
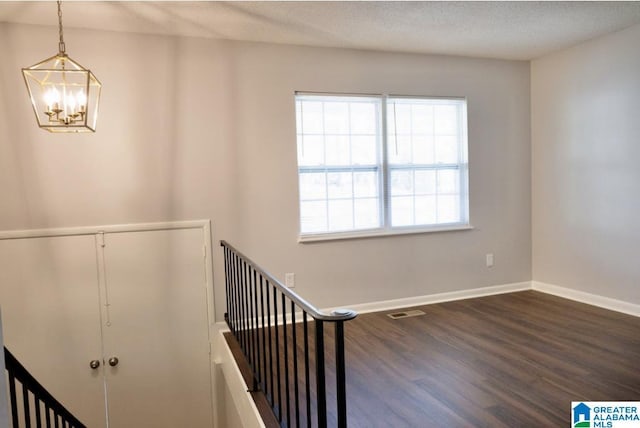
(158,329)
(51,318)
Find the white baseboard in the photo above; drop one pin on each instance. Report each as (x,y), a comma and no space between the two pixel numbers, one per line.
(567,293)
(387,305)
(588,298)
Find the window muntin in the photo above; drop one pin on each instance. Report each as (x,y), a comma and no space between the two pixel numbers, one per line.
(354,176)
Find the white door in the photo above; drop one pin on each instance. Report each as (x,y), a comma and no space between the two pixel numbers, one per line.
(156,325)
(51,318)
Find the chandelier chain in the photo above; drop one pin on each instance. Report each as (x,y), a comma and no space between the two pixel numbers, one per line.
(61,45)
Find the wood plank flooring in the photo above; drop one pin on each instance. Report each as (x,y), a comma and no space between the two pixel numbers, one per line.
(512,360)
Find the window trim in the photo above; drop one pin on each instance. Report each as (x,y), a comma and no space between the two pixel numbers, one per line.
(386,229)
(381,232)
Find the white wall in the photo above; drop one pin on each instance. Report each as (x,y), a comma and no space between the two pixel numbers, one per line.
(194,128)
(354,271)
(586,173)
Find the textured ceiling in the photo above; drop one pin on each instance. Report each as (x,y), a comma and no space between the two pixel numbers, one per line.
(510,30)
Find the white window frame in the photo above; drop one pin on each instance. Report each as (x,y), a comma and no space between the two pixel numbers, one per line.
(386,229)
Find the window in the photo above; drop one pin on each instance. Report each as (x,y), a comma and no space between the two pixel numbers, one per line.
(380,164)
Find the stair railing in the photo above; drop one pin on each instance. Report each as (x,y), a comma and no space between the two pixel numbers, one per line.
(37,407)
(288,362)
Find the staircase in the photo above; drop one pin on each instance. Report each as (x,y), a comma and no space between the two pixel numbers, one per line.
(29,404)
(33,406)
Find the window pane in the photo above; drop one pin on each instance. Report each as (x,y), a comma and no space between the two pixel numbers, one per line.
(313,217)
(399,148)
(448,181)
(422,119)
(363,118)
(364,150)
(367,213)
(338,150)
(313,186)
(448,209)
(425,182)
(310,150)
(423,150)
(402,211)
(446,122)
(311,119)
(401,182)
(340,215)
(336,118)
(365,184)
(446,149)
(425,209)
(399,122)
(339,185)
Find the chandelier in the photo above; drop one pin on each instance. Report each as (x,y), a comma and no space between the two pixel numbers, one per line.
(64,94)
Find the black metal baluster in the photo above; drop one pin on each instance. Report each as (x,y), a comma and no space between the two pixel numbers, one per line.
(247,304)
(25,404)
(305,331)
(341,380)
(236,297)
(264,335)
(241,307)
(321,390)
(275,318)
(258,370)
(252,327)
(232,308)
(286,360)
(225,252)
(14,399)
(47,415)
(270,343)
(237,305)
(230,297)
(36,401)
(295,364)
(245,309)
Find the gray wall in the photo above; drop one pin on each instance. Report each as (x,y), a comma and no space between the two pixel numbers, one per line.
(193,128)
(586,174)
(365,270)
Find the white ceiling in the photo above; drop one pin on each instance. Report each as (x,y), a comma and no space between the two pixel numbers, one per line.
(509,29)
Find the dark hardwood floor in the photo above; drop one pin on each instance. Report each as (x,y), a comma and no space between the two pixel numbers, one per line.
(512,360)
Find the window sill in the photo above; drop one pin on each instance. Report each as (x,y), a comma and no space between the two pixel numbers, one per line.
(374,233)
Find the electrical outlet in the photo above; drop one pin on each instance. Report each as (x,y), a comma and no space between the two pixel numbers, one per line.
(489,259)
(290,280)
